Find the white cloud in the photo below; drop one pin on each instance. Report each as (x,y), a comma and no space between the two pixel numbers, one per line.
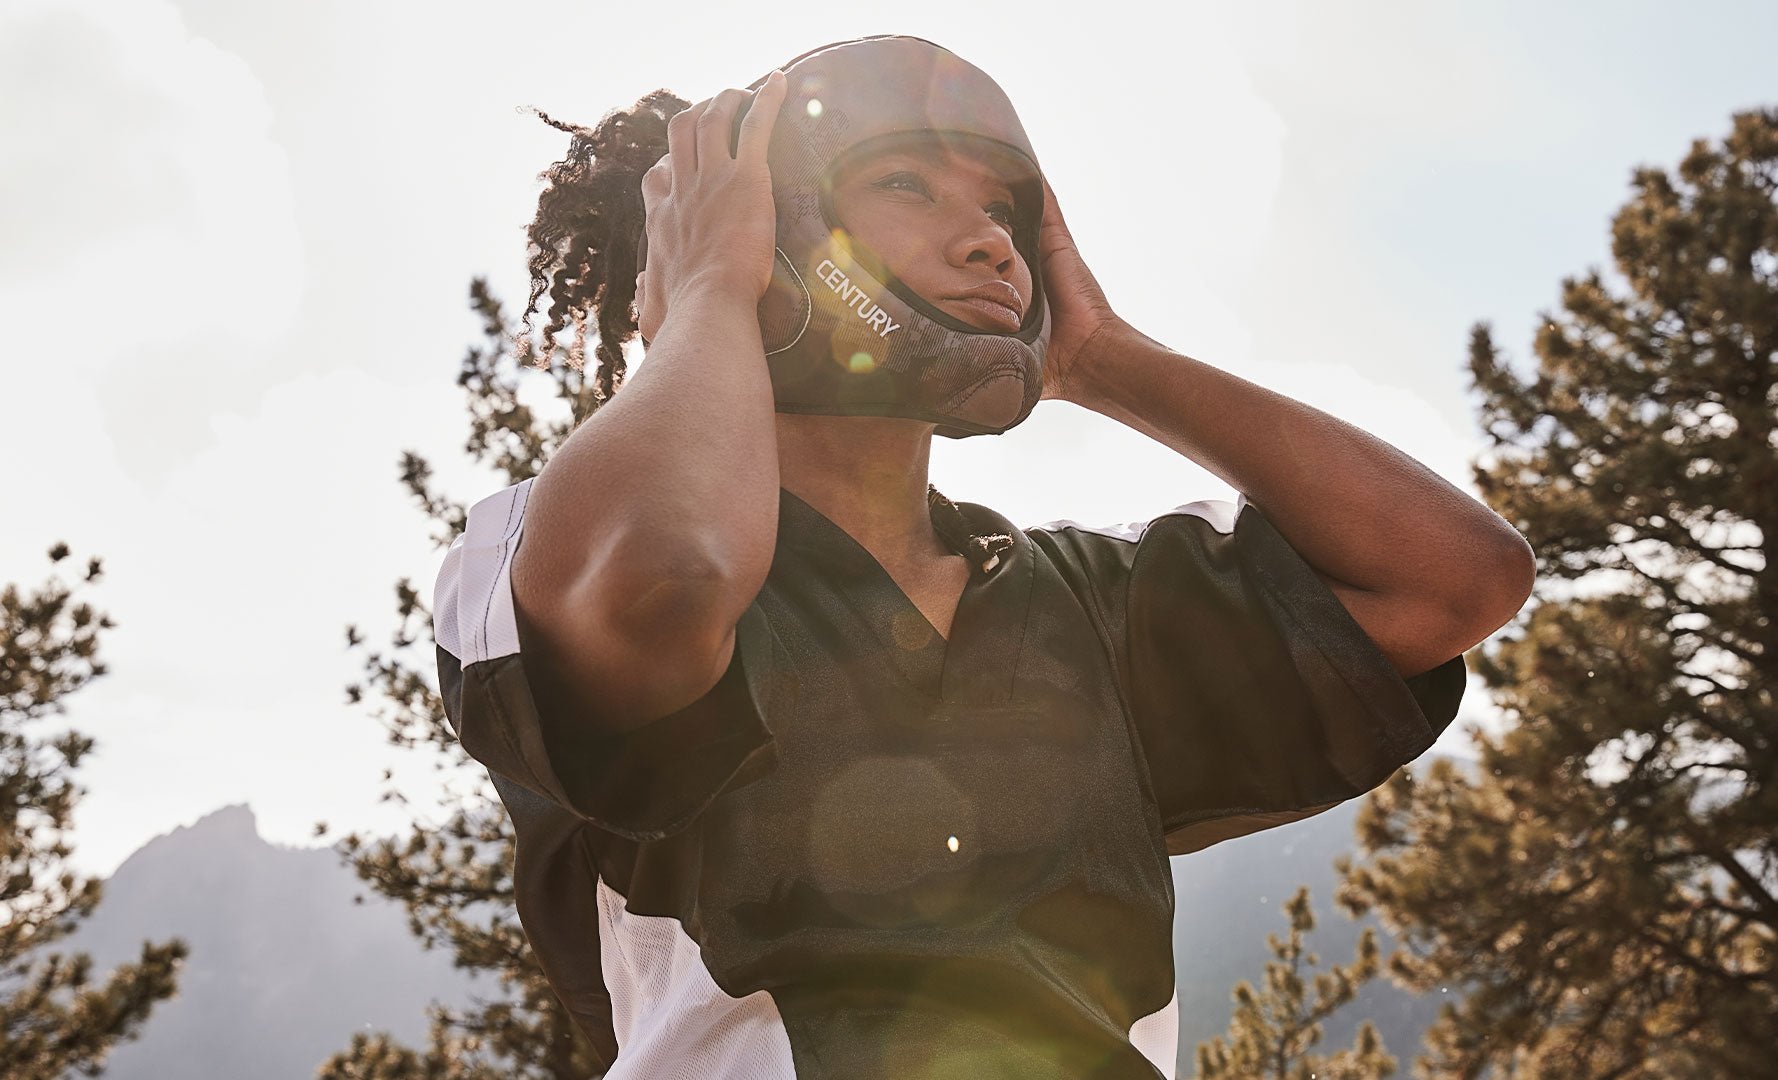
(151,235)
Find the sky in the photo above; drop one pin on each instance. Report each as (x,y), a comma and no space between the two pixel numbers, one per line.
(236,240)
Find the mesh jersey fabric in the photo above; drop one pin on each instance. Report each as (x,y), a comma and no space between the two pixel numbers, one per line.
(871,852)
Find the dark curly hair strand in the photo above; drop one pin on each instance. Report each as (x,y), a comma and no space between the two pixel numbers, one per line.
(584,237)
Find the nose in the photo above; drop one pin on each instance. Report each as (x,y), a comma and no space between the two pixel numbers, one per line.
(977,238)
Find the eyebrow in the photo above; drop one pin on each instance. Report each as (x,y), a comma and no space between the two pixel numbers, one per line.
(931,155)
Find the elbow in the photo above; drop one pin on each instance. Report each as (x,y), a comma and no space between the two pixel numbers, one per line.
(1498,592)
(639,652)
(675,603)
(1516,575)
(658,594)
(669,599)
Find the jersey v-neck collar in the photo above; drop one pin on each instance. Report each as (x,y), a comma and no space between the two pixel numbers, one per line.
(978,664)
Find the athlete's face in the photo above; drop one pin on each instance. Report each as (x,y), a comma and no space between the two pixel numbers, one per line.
(940,219)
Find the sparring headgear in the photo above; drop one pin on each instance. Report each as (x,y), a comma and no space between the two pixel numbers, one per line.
(842,335)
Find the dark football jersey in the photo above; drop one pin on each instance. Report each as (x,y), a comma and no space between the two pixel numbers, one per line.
(869,852)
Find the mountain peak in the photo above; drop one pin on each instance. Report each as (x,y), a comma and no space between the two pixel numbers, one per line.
(229,827)
(235,819)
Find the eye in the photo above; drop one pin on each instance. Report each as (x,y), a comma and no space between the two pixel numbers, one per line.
(1001,211)
(901,179)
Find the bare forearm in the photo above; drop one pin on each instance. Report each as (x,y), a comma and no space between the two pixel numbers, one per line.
(675,480)
(1353,506)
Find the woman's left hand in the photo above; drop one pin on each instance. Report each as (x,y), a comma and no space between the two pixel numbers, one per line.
(1079,312)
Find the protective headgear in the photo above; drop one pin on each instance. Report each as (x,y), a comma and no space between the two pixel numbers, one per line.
(842,335)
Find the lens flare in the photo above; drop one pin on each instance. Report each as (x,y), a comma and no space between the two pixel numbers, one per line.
(910,630)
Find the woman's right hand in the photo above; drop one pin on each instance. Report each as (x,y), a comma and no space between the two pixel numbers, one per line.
(710,217)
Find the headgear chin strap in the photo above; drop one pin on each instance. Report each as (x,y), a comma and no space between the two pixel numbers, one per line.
(843,336)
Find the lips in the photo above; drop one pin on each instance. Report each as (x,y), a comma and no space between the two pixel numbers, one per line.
(998,301)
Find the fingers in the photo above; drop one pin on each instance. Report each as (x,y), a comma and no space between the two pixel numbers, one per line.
(756,126)
(1054,227)
(1052,210)
(657,181)
(682,146)
(701,134)
(714,125)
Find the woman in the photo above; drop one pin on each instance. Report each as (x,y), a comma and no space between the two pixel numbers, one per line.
(815,773)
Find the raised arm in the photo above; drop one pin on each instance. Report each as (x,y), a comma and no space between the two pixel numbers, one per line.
(653,526)
(1425,569)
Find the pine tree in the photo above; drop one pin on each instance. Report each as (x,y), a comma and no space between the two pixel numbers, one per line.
(1606,882)
(454,876)
(1273,1030)
(54,1019)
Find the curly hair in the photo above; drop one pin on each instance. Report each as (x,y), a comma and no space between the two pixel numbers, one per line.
(582,252)
(583,240)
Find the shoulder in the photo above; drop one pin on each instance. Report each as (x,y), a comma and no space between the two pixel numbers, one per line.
(1217,515)
(1202,526)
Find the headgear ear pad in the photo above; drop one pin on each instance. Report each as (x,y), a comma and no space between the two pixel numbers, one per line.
(842,335)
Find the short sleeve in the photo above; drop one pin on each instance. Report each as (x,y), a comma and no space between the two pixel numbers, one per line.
(641,784)
(1255,697)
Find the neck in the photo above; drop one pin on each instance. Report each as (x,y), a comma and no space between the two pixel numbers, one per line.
(866,474)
